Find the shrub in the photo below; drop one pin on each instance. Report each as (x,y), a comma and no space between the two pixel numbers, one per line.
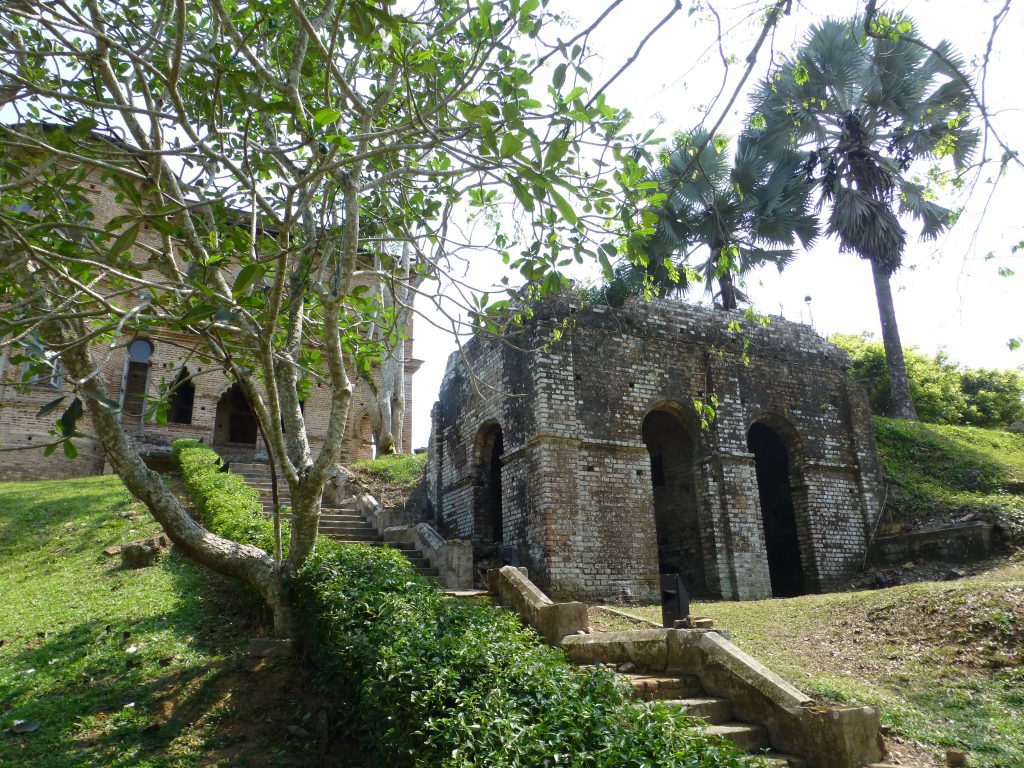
(428,680)
(226,505)
(943,392)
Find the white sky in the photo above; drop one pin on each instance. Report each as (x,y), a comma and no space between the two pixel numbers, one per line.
(948,295)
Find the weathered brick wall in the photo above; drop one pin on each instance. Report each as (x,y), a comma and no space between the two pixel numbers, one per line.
(573,409)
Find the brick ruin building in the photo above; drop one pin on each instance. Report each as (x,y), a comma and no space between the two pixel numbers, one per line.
(206,404)
(584,458)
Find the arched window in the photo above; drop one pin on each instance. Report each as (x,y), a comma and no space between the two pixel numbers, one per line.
(136,384)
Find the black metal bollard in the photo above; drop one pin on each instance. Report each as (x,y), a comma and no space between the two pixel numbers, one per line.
(675,602)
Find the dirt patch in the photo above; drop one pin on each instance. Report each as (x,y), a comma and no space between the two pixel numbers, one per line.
(977,630)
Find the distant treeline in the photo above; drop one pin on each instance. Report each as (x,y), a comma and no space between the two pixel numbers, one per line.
(943,392)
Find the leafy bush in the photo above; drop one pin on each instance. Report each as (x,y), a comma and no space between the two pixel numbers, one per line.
(943,392)
(400,469)
(427,680)
(226,505)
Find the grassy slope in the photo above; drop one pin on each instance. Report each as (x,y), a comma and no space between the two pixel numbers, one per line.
(937,471)
(122,668)
(392,479)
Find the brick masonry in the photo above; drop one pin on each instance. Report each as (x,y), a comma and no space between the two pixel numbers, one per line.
(596,511)
(21,428)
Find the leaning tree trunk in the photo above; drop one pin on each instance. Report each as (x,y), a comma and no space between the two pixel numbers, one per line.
(899,382)
(242,561)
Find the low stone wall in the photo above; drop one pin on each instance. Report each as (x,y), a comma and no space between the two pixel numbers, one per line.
(826,737)
(553,621)
(452,558)
(954,544)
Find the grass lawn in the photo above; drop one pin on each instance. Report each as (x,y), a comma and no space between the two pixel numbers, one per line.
(118,667)
(943,660)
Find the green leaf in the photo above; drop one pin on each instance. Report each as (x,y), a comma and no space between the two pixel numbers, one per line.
(106,402)
(556,151)
(567,211)
(558,79)
(69,449)
(341,142)
(511,145)
(325,116)
(69,420)
(522,194)
(50,407)
(198,312)
(125,240)
(575,93)
(247,277)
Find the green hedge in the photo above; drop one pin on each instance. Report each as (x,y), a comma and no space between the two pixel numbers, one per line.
(427,680)
(226,505)
(424,680)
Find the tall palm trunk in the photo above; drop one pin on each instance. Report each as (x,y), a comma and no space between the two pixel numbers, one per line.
(899,383)
(728,290)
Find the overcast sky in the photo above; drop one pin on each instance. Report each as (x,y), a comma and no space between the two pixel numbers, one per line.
(949,294)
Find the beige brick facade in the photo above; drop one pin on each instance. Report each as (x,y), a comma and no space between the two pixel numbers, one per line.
(214,416)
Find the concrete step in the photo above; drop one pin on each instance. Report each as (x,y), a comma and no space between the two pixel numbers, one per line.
(779,760)
(241,467)
(349,530)
(747,737)
(364,538)
(430,573)
(709,708)
(651,687)
(342,517)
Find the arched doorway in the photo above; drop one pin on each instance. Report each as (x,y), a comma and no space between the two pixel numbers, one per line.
(778,515)
(235,421)
(676,510)
(182,399)
(488,520)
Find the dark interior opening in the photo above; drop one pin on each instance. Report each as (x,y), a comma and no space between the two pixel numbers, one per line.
(182,399)
(489,520)
(771,460)
(676,515)
(235,420)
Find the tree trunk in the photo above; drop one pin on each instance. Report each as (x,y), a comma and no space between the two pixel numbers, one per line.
(388,395)
(728,290)
(899,383)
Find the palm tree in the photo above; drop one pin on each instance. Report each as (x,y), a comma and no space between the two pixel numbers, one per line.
(863,109)
(746,215)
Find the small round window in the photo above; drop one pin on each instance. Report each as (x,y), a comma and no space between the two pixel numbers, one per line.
(140,350)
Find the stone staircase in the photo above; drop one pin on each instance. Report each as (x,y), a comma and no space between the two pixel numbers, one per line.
(685,693)
(343,523)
